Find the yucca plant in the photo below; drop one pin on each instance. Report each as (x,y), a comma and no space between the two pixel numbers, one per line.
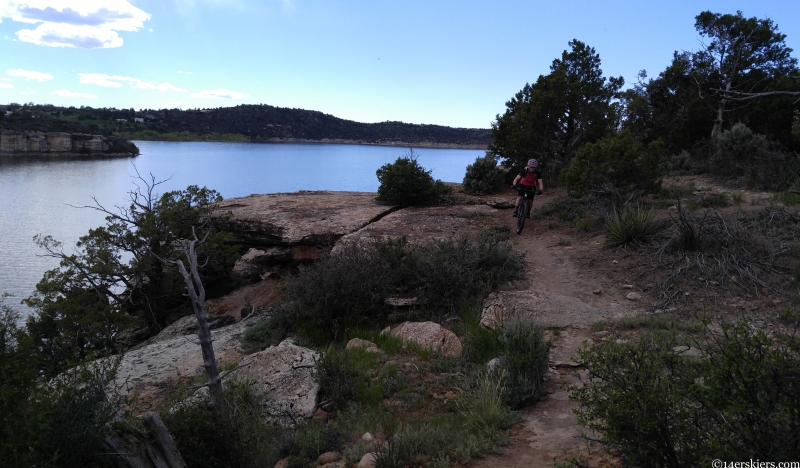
(633,226)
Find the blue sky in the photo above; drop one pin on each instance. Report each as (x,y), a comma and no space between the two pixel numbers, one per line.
(440,62)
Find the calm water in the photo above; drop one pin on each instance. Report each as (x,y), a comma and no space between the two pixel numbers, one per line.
(37,197)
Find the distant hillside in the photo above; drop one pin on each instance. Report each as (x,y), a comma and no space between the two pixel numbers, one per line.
(255,123)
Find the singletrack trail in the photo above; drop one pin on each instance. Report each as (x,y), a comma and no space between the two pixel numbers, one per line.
(549,430)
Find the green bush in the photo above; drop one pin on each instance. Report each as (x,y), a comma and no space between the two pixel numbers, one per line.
(61,422)
(615,163)
(349,288)
(661,408)
(566,209)
(749,157)
(633,226)
(524,361)
(406,183)
(243,439)
(342,376)
(483,176)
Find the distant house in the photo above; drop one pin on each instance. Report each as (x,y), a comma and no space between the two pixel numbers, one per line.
(138,119)
(150,117)
(121,120)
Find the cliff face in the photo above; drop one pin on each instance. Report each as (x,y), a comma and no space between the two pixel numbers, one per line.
(59,143)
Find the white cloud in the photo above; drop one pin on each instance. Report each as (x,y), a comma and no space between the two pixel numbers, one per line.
(217,93)
(6,85)
(74,23)
(2,78)
(25,93)
(30,75)
(186,72)
(115,81)
(66,93)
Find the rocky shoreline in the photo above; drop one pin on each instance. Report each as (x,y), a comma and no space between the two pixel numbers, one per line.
(63,144)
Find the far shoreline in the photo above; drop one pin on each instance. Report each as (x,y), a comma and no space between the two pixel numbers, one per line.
(397,144)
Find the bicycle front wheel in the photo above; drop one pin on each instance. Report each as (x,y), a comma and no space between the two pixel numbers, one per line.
(521,215)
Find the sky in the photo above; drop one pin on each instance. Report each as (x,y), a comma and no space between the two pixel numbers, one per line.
(443,62)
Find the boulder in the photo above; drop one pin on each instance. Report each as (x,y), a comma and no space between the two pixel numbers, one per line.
(429,335)
(546,309)
(262,294)
(368,346)
(302,218)
(283,382)
(329,457)
(368,460)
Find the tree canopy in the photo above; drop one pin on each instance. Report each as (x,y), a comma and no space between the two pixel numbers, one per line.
(550,119)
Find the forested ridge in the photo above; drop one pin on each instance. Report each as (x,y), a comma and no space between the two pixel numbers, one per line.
(257,122)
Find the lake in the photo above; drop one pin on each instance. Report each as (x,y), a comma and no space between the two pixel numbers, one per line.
(41,197)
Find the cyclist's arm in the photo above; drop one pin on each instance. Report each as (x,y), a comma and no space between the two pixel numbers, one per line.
(516,179)
(541,185)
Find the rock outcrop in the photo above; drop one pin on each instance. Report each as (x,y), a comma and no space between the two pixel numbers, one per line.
(62,144)
(420,225)
(300,219)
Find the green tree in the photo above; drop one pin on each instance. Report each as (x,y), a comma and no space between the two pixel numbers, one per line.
(406,183)
(741,53)
(112,278)
(555,116)
(483,176)
(616,165)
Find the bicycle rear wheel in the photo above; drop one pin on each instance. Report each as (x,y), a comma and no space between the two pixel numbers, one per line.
(521,215)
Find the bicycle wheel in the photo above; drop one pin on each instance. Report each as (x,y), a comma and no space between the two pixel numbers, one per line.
(521,214)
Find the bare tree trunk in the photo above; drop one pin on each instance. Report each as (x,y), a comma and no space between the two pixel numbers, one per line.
(197,294)
(720,112)
(198,297)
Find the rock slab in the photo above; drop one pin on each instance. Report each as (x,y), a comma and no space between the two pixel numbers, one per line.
(301,218)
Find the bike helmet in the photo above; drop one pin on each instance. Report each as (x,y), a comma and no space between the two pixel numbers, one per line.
(533,163)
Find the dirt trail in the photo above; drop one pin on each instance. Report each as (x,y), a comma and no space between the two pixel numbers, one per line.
(549,430)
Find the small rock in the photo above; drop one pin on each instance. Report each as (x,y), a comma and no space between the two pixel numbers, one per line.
(282,463)
(449,395)
(686,294)
(367,438)
(500,203)
(329,457)
(597,291)
(634,296)
(620,341)
(714,283)
(368,460)
(320,415)
(673,207)
(494,364)
(626,286)
(614,262)
(368,346)
(401,301)
(776,301)
(601,333)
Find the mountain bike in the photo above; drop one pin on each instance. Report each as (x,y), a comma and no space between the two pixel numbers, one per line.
(524,209)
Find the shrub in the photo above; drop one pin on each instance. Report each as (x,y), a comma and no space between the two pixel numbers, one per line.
(243,439)
(566,209)
(749,157)
(617,164)
(348,289)
(633,226)
(483,177)
(406,183)
(341,374)
(525,358)
(660,408)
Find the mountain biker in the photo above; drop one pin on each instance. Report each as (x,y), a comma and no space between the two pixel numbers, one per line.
(527,179)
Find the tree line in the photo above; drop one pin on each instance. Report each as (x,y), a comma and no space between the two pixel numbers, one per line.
(743,74)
